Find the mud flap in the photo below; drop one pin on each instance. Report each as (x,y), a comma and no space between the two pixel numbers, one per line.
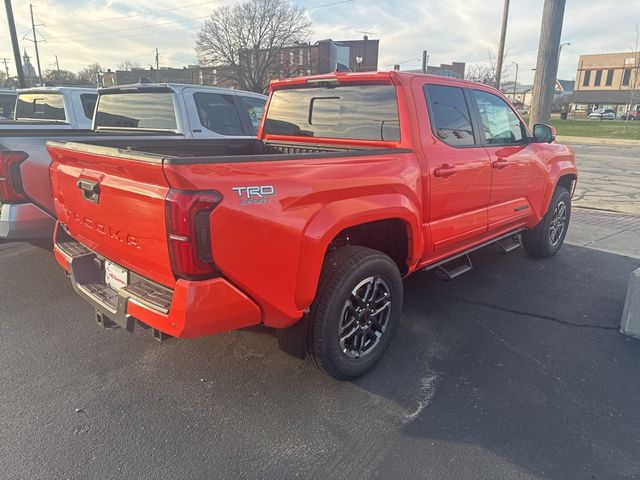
(293,340)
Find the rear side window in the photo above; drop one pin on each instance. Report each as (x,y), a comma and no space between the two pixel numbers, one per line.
(362,112)
(500,124)
(88,101)
(146,110)
(218,113)
(255,108)
(40,106)
(7,104)
(450,117)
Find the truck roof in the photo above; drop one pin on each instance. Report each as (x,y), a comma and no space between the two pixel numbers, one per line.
(174,87)
(57,89)
(396,77)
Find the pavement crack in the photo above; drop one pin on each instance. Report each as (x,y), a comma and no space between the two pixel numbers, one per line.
(530,314)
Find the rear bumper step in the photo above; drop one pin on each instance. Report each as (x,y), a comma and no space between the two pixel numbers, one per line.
(191,309)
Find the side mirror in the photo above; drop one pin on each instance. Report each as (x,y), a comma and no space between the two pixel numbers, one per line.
(543,133)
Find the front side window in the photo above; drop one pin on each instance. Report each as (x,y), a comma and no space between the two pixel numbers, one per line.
(218,113)
(451,120)
(357,112)
(500,124)
(148,110)
(587,78)
(255,108)
(40,106)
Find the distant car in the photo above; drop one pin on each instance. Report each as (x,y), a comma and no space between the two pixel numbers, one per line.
(630,116)
(603,115)
(522,110)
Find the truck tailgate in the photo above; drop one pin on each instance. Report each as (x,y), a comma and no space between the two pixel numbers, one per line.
(115,206)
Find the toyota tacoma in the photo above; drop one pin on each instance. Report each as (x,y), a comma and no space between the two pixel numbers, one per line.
(355,181)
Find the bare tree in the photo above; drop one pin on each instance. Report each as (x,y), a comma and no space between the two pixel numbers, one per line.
(128,65)
(90,75)
(249,38)
(60,77)
(486,72)
(481,73)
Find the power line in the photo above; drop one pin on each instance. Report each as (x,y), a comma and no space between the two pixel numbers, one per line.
(137,14)
(108,32)
(328,4)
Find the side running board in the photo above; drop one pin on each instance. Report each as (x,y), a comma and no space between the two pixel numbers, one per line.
(507,245)
(454,266)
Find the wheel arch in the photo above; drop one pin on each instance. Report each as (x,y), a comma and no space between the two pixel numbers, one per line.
(562,174)
(362,220)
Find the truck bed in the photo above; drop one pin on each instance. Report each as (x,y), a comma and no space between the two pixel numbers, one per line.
(188,151)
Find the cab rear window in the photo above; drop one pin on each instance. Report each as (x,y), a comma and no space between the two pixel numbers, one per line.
(40,106)
(144,110)
(357,112)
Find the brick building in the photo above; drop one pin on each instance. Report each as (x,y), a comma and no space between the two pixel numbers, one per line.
(610,80)
(193,75)
(301,59)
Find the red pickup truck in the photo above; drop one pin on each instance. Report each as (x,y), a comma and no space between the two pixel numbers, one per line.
(355,181)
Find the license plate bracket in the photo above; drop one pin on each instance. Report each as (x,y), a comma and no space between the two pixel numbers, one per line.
(115,276)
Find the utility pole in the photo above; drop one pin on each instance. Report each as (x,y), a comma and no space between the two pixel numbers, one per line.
(424,61)
(547,65)
(503,35)
(14,43)
(515,82)
(157,66)
(58,69)
(35,42)
(5,60)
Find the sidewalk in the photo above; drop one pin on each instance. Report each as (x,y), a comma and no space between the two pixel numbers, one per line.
(605,231)
(597,141)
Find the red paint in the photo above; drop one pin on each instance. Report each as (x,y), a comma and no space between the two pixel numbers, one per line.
(269,256)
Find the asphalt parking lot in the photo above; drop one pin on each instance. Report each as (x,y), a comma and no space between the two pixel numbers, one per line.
(514,370)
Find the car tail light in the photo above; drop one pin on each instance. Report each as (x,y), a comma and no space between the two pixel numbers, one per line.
(11,189)
(189,233)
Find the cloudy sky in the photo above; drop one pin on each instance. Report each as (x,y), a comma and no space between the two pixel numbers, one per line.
(81,32)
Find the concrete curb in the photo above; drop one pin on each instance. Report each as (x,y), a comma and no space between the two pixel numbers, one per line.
(598,141)
(631,314)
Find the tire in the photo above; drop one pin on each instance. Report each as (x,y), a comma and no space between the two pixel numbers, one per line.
(340,306)
(545,240)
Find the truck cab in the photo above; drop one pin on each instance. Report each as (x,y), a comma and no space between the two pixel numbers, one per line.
(69,108)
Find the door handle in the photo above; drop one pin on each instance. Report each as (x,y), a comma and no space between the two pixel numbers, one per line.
(444,171)
(90,189)
(500,163)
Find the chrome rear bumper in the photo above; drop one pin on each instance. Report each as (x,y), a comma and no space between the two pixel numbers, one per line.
(24,221)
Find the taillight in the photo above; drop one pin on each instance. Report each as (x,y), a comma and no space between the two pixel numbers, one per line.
(189,232)
(11,189)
